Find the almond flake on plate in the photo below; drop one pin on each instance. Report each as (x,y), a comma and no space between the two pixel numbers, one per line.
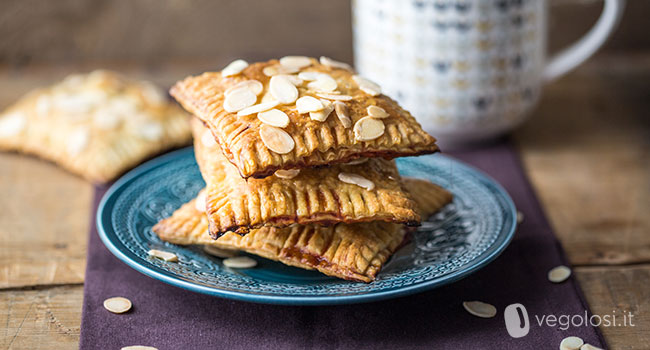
(367,86)
(368,128)
(282,89)
(295,61)
(239,99)
(335,97)
(167,256)
(219,253)
(253,85)
(323,83)
(322,115)
(207,139)
(326,61)
(358,180)
(357,161)
(377,112)
(308,104)
(287,173)
(240,262)
(260,107)
(277,140)
(78,141)
(571,343)
(559,274)
(235,67)
(117,305)
(199,202)
(274,117)
(342,113)
(480,309)
(12,124)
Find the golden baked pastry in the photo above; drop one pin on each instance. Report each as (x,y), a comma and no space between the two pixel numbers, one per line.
(297,113)
(364,192)
(96,125)
(349,251)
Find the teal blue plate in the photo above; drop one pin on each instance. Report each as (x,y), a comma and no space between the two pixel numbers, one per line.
(459,240)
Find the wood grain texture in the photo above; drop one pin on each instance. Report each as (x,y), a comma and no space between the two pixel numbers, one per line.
(41,319)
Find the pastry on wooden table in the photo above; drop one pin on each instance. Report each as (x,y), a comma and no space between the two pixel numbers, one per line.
(368,191)
(96,125)
(349,251)
(297,112)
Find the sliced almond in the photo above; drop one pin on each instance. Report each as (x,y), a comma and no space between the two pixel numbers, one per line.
(287,173)
(358,180)
(520,217)
(309,76)
(240,262)
(270,71)
(324,83)
(253,85)
(368,128)
(239,99)
(335,97)
(235,67)
(480,309)
(342,113)
(12,124)
(559,274)
(167,256)
(322,115)
(274,117)
(151,131)
(282,89)
(367,86)
(78,141)
(295,61)
(138,347)
(260,107)
(277,140)
(326,61)
(199,202)
(571,343)
(377,112)
(207,139)
(308,104)
(589,347)
(219,253)
(294,79)
(357,161)
(117,305)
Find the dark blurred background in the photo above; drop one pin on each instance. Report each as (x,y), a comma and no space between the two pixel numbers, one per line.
(159,31)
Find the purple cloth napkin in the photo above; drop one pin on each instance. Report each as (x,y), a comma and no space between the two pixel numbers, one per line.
(167,317)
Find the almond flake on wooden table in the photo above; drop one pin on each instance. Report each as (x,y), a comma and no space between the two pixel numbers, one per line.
(282,89)
(368,128)
(253,85)
(367,86)
(240,262)
(480,309)
(235,67)
(239,99)
(274,117)
(260,107)
(276,140)
(295,61)
(358,180)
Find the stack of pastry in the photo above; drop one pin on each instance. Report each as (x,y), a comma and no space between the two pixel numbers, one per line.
(296,155)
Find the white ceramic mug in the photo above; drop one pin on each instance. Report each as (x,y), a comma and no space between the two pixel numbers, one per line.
(468,70)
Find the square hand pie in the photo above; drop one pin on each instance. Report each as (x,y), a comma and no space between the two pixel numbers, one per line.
(342,193)
(297,113)
(349,251)
(96,125)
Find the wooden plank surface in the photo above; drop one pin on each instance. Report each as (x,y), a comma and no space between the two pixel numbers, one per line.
(585,149)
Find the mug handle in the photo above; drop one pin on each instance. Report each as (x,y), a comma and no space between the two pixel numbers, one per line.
(569,58)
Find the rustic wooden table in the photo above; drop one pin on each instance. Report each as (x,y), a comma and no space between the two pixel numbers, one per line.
(586,150)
